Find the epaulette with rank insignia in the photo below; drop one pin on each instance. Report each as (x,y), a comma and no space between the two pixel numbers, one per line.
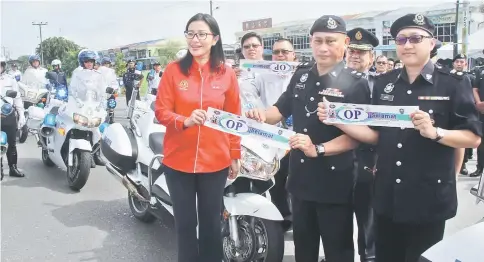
(456,74)
(305,65)
(353,72)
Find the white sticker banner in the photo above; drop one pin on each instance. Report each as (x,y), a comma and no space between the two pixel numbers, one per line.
(370,115)
(268,67)
(245,127)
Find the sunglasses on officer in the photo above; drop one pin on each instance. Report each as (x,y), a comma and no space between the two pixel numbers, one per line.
(413,39)
(281,51)
(251,46)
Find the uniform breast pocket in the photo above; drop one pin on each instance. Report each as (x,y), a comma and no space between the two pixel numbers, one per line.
(439,113)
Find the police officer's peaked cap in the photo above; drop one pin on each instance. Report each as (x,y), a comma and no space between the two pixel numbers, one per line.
(329,24)
(459,56)
(438,45)
(362,39)
(156,63)
(412,21)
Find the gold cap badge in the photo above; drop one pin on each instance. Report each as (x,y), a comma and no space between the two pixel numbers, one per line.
(358,36)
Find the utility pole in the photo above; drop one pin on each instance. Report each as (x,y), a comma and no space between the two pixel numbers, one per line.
(211,8)
(40,31)
(456,37)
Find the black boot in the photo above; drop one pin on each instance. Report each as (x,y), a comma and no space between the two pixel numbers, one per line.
(14,172)
(476,173)
(463,170)
(98,160)
(93,163)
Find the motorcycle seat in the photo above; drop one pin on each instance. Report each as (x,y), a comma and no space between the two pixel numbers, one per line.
(54,110)
(156,142)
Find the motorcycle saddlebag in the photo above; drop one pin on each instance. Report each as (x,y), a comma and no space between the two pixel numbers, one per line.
(35,117)
(119,147)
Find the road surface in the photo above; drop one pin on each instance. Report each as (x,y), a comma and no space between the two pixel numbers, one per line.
(43,220)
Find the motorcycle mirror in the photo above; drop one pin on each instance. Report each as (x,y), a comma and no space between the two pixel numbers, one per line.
(11,93)
(109,90)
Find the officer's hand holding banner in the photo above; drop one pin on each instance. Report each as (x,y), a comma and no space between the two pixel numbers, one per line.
(245,127)
(368,115)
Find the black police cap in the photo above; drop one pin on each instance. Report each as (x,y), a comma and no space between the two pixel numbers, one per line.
(459,56)
(329,24)
(438,45)
(412,21)
(362,39)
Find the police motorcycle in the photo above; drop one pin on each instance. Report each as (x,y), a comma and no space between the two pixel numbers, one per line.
(464,246)
(70,132)
(7,108)
(56,97)
(251,228)
(33,90)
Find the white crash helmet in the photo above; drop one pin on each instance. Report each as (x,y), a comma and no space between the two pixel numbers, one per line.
(180,54)
(56,62)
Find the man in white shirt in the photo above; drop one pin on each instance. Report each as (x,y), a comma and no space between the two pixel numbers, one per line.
(154,78)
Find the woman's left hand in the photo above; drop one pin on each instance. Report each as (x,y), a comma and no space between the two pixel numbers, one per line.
(234,168)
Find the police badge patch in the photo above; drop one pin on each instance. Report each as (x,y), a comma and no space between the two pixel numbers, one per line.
(389,88)
(304,77)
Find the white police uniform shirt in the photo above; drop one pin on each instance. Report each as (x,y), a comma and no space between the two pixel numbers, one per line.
(8,83)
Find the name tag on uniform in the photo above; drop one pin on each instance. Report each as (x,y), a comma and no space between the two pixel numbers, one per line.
(331,92)
(300,86)
(386,97)
(434,98)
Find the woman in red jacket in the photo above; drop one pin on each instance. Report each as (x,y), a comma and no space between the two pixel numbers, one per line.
(198,159)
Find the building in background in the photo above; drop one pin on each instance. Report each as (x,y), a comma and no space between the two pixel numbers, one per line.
(146,52)
(470,20)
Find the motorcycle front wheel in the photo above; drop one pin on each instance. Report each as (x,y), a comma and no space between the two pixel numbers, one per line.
(78,174)
(22,134)
(261,240)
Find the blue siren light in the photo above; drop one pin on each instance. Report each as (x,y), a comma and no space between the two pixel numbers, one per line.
(3,139)
(7,109)
(49,120)
(103,127)
(111,103)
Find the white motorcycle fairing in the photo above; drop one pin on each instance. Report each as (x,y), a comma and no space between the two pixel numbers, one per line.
(249,204)
(464,246)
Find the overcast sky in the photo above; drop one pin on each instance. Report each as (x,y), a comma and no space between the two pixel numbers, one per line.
(105,24)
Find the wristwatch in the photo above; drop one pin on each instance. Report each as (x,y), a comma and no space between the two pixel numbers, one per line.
(320,149)
(440,134)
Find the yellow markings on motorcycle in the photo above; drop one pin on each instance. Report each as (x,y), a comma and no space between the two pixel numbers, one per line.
(61,131)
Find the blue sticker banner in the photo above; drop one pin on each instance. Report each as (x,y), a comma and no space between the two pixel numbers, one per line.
(245,127)
(370,115)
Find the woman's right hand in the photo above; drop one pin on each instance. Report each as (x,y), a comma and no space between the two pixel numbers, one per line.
(197,117)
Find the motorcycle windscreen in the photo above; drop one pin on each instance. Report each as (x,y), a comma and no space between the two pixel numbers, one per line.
(34,78)
(88,86)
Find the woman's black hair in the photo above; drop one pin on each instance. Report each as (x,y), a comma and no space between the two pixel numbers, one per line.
(217,58)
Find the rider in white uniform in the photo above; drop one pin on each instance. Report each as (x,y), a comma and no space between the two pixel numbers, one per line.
(15,73)
(10,123)
(108,73)
(87,59)
(34,73)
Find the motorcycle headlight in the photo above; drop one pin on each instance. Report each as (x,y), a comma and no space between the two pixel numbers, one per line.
(80,119)
(111,103)
(61,94)
(85,121)
(252,166)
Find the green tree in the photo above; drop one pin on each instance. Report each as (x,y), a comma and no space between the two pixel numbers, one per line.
(119,64)
(167,52)
(69,63)
(56,48)
(23,61)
